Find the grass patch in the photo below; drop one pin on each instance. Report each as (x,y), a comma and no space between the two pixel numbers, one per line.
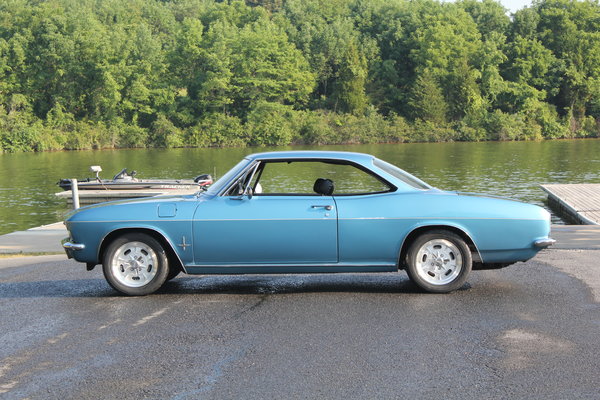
(39,253)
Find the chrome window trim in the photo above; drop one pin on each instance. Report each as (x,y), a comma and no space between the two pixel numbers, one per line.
(236,179)
(256,163)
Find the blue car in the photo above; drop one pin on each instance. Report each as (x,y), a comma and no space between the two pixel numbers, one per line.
(307,212)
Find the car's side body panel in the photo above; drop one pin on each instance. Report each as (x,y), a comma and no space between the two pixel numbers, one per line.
(265,230)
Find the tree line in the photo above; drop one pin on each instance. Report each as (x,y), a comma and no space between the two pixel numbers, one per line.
(79,74)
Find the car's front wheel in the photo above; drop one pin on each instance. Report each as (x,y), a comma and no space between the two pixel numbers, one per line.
(135,264)
(439,261)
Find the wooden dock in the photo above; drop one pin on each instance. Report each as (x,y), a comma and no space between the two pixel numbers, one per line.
(99,196)
(580,202)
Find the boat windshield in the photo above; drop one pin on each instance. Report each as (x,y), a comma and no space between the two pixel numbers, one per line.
(216,187)
(400,174)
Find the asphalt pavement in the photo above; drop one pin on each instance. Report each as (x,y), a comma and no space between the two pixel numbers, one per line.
(527,331)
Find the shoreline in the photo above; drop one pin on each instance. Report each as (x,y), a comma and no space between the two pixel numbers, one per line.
(296,145)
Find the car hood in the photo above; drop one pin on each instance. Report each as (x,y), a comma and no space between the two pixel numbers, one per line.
(135,208)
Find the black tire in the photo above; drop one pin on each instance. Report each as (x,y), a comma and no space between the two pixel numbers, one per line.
(439,261)
(135,264)
(173,272)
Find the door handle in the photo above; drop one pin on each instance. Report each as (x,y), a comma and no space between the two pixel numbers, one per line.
(327,207)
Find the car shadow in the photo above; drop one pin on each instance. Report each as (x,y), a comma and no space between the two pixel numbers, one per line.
(223,284)
(56,288)
(293,284)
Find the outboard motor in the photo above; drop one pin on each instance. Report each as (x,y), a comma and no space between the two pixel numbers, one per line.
(123,175)
(65,184)
(203,180)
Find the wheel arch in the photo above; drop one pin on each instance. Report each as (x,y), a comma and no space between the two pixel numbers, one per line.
(172,255)
(420,230)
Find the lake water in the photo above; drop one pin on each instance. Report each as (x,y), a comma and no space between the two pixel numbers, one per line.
(512,169)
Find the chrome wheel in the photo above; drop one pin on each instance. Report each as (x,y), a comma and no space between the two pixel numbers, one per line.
(438,262)
(134,264)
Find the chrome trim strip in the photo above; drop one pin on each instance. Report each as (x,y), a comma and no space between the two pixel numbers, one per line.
(279,265)
(447,219)
(303,158)
(73,246)
(340,219)
(544,242)
(267,219)
(134,220)
(218,219)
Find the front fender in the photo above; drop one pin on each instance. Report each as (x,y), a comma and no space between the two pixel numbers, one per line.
(94,236)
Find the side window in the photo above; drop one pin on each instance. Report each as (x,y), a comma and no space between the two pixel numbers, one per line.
(298,178)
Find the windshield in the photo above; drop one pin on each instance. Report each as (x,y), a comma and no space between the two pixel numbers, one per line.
(216,187)
(400,174)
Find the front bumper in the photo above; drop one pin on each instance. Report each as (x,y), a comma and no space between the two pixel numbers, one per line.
(71,247)
(543,243)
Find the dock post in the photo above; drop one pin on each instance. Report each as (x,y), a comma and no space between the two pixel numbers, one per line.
(75,194)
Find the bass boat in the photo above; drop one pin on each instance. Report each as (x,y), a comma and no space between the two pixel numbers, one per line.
(127,181)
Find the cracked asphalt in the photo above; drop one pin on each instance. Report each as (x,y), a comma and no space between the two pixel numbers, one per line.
(527,331)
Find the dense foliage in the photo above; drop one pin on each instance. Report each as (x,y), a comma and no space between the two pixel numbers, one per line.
(78,74)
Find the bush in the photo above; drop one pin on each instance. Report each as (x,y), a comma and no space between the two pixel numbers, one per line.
(269,124)
(590,127)
(427,131)
(397,130)
(165,134)
(545,116)
(132,136)
(17,131)
(502,126)
(216,130)
(312,127)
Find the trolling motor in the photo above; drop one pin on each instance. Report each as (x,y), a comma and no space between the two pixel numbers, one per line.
(97,169)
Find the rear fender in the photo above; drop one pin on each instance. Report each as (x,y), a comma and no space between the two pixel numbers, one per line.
(419,229)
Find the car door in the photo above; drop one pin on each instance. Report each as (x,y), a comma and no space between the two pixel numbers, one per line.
(368,232)
(271,229)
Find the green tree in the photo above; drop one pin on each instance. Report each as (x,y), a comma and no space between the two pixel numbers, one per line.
(571,30)
(427,101)
(349,90)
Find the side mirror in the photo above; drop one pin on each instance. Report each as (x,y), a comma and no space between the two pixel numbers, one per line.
(246,193)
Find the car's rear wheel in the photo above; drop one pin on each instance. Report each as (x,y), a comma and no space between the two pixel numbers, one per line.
(135,264)
(439,261)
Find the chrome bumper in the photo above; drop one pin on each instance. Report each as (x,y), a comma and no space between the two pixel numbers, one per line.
(544,242)
(71,247)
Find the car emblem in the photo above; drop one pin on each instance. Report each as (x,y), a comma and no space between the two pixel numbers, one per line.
(183,245)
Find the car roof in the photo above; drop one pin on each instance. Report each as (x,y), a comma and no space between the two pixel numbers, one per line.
(333,155)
